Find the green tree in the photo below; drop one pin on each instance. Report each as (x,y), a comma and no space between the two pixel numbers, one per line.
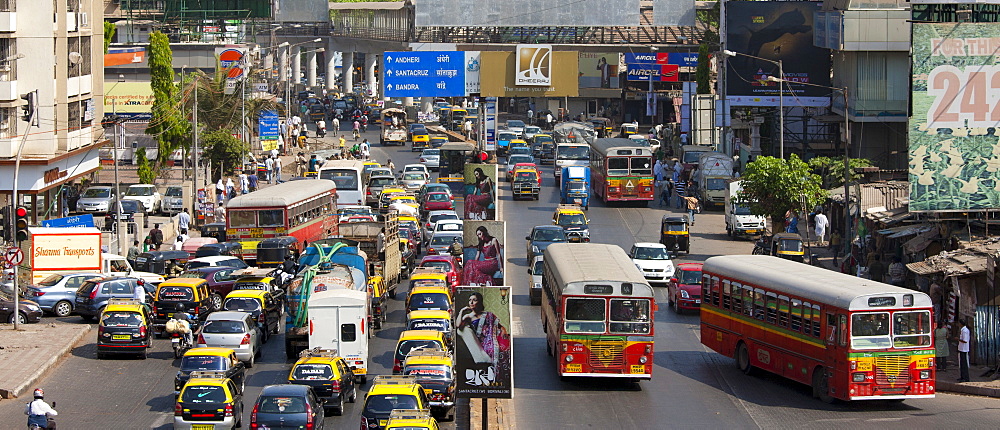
(701,74)
(831,169)
(145,171)
(772,186)
(220,111)
(167,126)
(109,33)
(225,151)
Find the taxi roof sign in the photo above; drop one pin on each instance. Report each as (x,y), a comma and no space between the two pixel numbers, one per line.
(410,414)
(124,302)
(207,374)
(428,352)
(394,380)
(319,352)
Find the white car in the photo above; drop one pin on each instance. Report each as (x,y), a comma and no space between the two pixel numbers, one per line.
(173,200)
(431,219)
(431,158)
(447,225)
(235,330)
(148,195)
(653,260)
(216,261)
(412,181)
(418,168)
(535,283)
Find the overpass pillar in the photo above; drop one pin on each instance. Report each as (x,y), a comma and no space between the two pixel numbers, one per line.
(331,65)
(311,68)
(296,66)
(370,74)
(347,69)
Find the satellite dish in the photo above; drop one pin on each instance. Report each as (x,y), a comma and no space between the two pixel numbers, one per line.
(75,57)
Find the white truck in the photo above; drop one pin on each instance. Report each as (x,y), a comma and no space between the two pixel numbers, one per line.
(739,220)
(51,250)
(714,172)
(338,320)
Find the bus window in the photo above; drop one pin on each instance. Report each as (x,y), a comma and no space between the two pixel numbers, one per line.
(715,292)
(758,304)
(726,295)
(271,218)
(910,329)
(796,315)
(585,315)
(617,166)
(737,298)
(242,219)
(641,167)
(747,301)
(772,308)
(842,329)
(817,318)
(629,316)
(783,311)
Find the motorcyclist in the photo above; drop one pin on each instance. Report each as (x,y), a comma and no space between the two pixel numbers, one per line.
(455,249)
(38,411)
(182,321)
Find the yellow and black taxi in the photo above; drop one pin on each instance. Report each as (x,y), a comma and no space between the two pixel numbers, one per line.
(429,297)
(191,295)
(428,276)
(389,393)
(572,219)
(210,359)
(419,137)
(379,300)
(124,329)
(430,320)
(411,419)
(209,400)
(261,304)
(415,340)
(329,376)
(434,370)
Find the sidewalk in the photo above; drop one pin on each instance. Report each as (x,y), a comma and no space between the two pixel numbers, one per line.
(27,354)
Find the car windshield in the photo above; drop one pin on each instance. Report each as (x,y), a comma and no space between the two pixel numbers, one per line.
(414,177)
(438,197)
(520,158)
(194,274)
(439,217)
(281,405)
(640,142)
(437,264)
(130,206)
(203,362)
(549,235)
(572,219)
(97,192)
(525,176)
(543,138)
(430,152)
(312,371)
(532,129)
(224,327)
(538,269)
(515,123)
(175,294)
(406,346)
(573,152)
(201,394)
(121,319)
(429,301)
(442,325)
(175,192)
(741,210)
(50,280)
(383,404)
(241,304)
(690,277)
(381,182)
(585,315)
(414,168)
(139,191)
(520,150)
(426,371)
(444,240)
(651,253)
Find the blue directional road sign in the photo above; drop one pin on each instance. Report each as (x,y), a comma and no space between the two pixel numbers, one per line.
(85,220)
(268,123)
(424,74)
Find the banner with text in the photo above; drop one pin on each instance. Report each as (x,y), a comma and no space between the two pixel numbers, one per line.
(498,74)
(424,74)
(953,151)
(599,70)
(483,342)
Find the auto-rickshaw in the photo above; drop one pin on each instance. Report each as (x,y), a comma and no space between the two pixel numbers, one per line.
(262,304)
(602,126)
(190,293)
(271,252)
(783,245)
(124,328)
(627,129)
(215,229)
(379,300)
(234,249)
(162,262)
(675,233)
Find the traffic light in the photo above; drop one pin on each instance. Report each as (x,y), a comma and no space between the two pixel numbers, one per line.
(28,108)
(20,224)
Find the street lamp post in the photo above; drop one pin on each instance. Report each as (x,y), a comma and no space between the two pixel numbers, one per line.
(781,95)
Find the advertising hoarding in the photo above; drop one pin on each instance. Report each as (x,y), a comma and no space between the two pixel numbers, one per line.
(480,191)
(268,123)
(74,248)
(483,342)
(656,72)
(128,99)
(775,31)
(483,256)
(490,109)
(684,59)
(471,72)
(498,70)
(953,152)
(424,74)
(231,59)
(528,13)
(599,70)
(533,66)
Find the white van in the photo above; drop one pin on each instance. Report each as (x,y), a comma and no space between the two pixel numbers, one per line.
(338,319)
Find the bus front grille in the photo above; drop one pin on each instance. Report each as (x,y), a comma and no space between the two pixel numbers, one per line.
(607,354)
(892,369)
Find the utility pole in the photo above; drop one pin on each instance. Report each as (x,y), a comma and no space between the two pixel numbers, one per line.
(114,150)
(194,138)
(32,118)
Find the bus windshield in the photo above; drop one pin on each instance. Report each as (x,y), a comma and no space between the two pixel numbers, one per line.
(629,316)
(910,329)
(617,166)
(870,330)
(585,315)
(641,166)
(345,179)
(715,184)
(239,219)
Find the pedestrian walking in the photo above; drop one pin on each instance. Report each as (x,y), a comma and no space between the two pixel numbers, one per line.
(835,245)
(277,170)
(343,146)
(897,272)
(792,221)
(133,253)
(230,188)
(664,187)
(941,349)
(821,223)
(268,167)
(658,170)
(389,163)
(183,220)
(220,213)
(157,237)
(336,124)
(964,339)
(244,183)
(300,164)
(693,206)
(220,190)
(679,189)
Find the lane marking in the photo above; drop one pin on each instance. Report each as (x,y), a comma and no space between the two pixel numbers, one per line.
(517,326)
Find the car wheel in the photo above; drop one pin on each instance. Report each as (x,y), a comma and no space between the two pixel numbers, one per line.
(354,395)
(143,354)
(338,408)
(677,307)
(20,316)
(216,301)
(62,309)
(250,363)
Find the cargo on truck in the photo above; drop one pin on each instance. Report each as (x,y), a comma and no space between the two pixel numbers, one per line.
(739,220)
(714,172)
(393,127)
(387,262)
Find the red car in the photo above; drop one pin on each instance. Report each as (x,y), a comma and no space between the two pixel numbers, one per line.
(510,173)
(438,201)
(684,289)
(220,281)
(451,266)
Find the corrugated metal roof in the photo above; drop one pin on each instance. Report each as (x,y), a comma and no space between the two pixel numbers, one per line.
(968,260)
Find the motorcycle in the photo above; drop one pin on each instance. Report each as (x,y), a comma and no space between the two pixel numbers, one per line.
(321,131)
(180,344)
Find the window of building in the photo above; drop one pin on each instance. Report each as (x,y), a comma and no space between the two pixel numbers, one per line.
(73,46)
(8,49)
(85,66)
(8,122)
(75,115)
(8,5)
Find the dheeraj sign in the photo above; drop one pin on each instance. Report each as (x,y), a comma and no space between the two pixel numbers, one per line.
(498,76)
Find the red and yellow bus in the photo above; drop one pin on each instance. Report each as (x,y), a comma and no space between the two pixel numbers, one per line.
(597,310)
(305,209)
(847,337)
(622,170)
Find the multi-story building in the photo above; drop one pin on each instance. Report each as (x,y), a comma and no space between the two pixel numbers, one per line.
(56,50)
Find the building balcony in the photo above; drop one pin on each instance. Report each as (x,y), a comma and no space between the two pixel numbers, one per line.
(8,90)
(79,85)
(8,147)
(8,22)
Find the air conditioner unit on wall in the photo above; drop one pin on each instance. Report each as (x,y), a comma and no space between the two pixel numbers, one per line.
(82,19)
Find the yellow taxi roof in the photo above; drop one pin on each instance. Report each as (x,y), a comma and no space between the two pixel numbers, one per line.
(518,141)
(569,211)
(429,314)
(125,305)
(388,190)
(181,282)
(255,294)
(314,360)
(397,385)
(542,134)
(407,218)
(441,359)
(428,275)
(430,289)
(255,279)
(402,197)
(421,334)
(372,163)
(221,352)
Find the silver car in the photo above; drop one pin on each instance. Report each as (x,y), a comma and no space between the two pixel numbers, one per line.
(96,199)
(412,181)
(535,283)
(441,241)
(432,218)
(431,158)
(235,330)
(173,200)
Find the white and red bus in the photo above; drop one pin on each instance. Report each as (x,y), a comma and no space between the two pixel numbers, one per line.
(305,209)
(848,337)
(597,310)
(621,170)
